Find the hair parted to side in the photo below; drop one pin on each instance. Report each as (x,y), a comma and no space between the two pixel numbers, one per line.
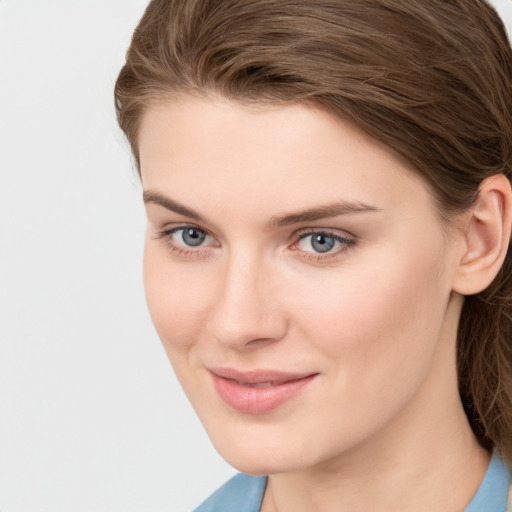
(432,79)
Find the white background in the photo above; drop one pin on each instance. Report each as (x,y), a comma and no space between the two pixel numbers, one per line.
(91,416)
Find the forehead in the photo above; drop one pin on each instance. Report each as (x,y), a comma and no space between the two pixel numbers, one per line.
(206,148)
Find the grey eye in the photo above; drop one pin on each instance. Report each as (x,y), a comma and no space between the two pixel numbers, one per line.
(321,242)
(192,237)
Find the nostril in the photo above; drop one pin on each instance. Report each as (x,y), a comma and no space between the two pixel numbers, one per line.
(260,341)
(248,334)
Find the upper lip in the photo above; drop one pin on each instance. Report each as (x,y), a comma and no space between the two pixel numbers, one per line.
(259,376)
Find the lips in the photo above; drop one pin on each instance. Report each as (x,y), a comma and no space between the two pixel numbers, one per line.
(258,392)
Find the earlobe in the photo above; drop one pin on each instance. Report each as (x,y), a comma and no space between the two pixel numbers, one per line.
(487,235)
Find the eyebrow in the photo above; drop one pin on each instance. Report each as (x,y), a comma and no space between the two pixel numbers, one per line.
(317,213)
(322,212)
(171,205)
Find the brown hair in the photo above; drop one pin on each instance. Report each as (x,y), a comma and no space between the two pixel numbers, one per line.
(432,79)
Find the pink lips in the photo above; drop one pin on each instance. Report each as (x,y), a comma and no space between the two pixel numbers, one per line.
(257,392)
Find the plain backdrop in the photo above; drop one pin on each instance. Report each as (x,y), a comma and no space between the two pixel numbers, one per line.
(92,418)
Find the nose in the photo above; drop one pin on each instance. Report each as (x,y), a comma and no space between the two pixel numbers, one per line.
(246,311)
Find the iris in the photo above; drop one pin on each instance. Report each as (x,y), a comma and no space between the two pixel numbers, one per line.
(322,242)
(193,236)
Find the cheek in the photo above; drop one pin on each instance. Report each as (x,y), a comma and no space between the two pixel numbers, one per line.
(175,299)
(381,315)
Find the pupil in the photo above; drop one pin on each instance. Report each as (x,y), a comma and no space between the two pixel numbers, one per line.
(193,237)
(322,243)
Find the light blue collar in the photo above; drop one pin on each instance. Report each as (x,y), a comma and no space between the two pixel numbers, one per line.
(242,493)
(492,493)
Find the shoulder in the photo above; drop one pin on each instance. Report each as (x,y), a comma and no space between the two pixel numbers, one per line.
(242,493)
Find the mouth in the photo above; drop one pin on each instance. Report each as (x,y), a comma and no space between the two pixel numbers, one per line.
(259,391)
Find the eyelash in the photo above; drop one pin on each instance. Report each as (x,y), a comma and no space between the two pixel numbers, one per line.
(346,245)
(183,251)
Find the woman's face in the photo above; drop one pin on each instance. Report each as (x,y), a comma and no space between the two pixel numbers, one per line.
(300,279)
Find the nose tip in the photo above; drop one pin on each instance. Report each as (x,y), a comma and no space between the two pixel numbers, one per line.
(249,330)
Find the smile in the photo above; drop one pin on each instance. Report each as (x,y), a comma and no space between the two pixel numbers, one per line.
(258,392)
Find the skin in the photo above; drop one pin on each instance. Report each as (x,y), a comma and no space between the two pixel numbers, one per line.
(375,317)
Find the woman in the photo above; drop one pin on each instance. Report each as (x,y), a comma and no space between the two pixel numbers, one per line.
(327,186)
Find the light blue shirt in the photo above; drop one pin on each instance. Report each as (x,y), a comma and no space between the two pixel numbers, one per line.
(244,493)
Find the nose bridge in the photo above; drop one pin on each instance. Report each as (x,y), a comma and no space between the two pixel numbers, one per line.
(246,309)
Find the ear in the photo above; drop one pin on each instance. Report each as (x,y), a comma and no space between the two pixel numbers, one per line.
(487,229)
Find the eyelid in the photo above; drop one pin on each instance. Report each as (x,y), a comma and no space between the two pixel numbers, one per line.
(168,231)
(173,227)
(348,241)
(335,233)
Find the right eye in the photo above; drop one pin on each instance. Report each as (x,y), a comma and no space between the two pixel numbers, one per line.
(187,240)
(189,236)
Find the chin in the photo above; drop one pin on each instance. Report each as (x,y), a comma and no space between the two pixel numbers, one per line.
(262,453)
(258,462)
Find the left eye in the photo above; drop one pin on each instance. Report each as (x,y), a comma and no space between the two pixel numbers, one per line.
(322,242)
(189,236)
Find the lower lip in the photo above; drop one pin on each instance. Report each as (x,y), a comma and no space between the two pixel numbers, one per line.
(251,400)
